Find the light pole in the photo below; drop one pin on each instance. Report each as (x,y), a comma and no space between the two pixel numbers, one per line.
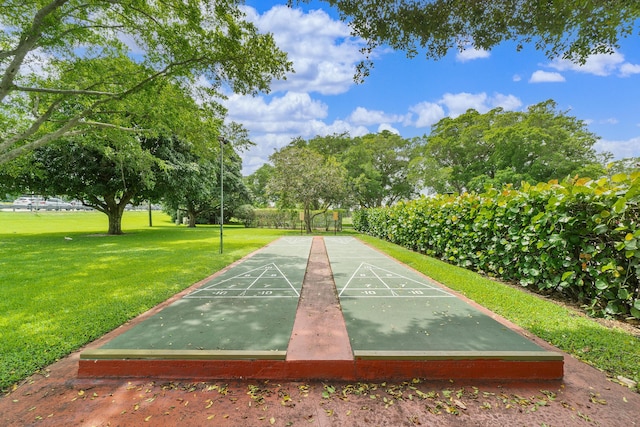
(222,142)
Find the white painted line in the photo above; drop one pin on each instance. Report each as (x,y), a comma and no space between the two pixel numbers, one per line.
(384,283)
(253,283)
(285,278)
(369,292)
(216,290)
(350,279)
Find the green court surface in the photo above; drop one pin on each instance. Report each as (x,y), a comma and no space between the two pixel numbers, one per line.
(249,307)
(249,310)
(389,307)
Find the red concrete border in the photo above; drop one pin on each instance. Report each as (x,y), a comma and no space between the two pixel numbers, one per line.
(293,370)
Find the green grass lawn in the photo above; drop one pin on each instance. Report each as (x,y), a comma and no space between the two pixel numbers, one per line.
(64,283)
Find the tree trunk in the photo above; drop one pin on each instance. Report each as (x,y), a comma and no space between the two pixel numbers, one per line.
(307,218)
(115,221)
(192,219)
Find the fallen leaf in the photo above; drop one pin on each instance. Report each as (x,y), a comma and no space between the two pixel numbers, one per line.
(272,421)
(459,404)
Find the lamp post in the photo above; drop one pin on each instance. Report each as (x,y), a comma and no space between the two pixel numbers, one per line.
(222,142)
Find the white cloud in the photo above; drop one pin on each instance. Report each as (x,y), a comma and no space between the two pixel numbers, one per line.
(274,122)
(388,127)
(459,103)
(280,113)
(471,53)
(321,49)
(628,69)
(620,149)
(362,116)
(268,142)
(428,114)
(508,102)
(599,64)
(545,77)
(517,78)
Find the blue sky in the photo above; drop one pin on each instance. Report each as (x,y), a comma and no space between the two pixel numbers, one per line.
(407,96)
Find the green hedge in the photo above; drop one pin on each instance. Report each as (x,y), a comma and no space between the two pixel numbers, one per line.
(580,237)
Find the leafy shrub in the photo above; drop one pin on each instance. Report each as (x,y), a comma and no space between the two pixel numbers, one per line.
(276,218)
(246,214)
(580,238)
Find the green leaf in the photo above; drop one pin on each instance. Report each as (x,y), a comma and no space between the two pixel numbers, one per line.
(620,206)
(601,284)
(619,177)
(607,267)
(600,228)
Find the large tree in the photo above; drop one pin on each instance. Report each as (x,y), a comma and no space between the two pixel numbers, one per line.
(377,165)
(108,167)
(55,80)
(186,181)
(572,29)
(498,147)
(100,176)
(378,169)
(257,185)
(305,177)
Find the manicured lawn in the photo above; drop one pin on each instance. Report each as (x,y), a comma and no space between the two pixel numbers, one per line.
(64,283)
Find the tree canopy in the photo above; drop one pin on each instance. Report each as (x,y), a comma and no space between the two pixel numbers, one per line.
(108,168)
(62,62)
(377,168)
(498,147)
(305,177)
(571,29)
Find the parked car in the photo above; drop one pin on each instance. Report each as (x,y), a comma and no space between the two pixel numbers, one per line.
(55,203)
(78,206)
(23,202)
(40,203)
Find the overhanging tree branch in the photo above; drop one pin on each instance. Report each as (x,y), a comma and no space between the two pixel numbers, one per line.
(26,44)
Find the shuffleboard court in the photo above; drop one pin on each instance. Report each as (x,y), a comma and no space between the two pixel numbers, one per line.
(249,307)
(387,306)
(304,308)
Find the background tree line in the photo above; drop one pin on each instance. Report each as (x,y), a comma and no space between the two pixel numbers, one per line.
(466,153)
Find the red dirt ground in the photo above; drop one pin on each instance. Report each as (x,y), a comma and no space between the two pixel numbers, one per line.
(56,397)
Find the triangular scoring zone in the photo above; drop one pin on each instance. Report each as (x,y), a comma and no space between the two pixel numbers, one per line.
(267,281)
(371,281)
